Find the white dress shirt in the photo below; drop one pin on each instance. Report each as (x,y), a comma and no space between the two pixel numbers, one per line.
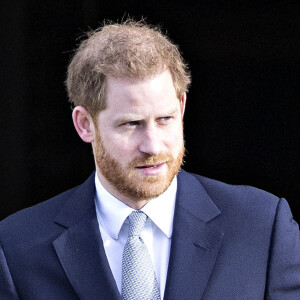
(112,218)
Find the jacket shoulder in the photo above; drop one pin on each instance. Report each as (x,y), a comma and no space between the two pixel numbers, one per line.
(39,216)
(215,186)
(32,216)
(240,200)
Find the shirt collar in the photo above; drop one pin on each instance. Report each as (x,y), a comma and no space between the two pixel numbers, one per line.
(112,212)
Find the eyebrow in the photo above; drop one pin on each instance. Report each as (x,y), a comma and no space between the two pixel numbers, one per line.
(137,117)
(127,118)
(172,112)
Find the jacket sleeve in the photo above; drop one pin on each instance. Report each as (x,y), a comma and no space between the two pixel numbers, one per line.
(7,287)
(283,278)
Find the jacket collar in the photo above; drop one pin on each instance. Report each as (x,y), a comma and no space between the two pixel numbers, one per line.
(195,243)
(194,249)
(80,248)
(191,196)
(79,202)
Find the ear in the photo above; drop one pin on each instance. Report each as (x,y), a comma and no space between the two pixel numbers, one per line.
(183,103)
(83,123)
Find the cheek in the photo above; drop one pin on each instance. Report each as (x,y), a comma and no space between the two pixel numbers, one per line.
(120,148)
(174,140)
(176,144)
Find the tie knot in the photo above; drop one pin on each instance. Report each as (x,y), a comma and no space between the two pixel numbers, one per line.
(137,220)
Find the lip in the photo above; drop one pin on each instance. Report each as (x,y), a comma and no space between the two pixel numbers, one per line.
(152,169)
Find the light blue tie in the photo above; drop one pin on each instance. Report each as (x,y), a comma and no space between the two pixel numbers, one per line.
(138,277)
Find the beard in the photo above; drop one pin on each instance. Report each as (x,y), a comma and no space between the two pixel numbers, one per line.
(128,180)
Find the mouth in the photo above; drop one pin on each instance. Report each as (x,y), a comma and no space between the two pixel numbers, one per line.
(150,166)
(152,169)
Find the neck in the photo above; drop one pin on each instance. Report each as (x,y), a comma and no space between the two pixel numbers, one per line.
(137,205)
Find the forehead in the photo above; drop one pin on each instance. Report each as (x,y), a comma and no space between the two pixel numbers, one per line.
(155,90)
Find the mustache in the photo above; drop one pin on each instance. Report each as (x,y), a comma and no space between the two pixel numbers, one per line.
(150,160)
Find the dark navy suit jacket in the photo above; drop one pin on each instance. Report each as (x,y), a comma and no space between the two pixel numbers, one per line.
(228,242)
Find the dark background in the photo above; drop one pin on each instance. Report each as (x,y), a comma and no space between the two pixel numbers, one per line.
(242,118)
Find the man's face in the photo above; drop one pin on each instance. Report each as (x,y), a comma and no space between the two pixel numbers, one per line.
(139,145)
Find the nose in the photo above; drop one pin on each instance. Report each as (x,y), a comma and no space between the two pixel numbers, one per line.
(150,142)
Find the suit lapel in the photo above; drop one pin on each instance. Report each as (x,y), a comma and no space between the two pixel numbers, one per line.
(80,248)
(195,244)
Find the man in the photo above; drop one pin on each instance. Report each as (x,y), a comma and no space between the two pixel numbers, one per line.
(198,238)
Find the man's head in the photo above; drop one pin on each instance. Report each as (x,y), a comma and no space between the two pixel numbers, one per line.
(129,84)
(132,50)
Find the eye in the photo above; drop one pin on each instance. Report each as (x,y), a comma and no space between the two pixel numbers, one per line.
(131,123)
(164,120)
